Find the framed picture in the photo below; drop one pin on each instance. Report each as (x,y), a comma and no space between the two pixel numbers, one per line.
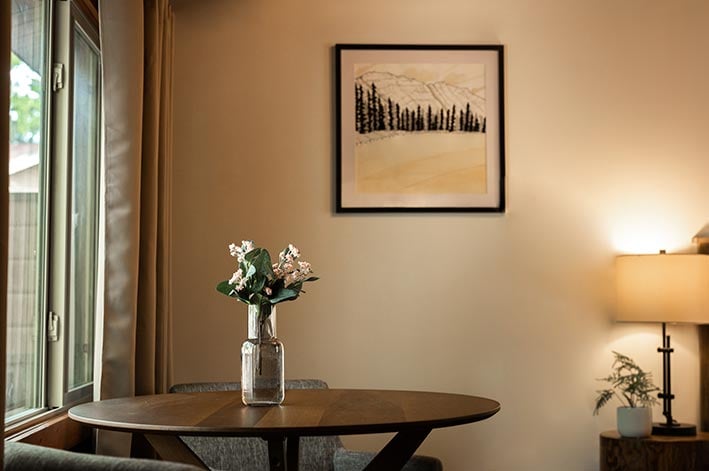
(419,128)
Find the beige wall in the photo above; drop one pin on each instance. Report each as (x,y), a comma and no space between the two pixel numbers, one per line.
(607,153)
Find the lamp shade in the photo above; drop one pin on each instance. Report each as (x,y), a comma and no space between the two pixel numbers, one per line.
(663,288)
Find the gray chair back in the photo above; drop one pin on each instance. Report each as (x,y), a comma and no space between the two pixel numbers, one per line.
(251,454)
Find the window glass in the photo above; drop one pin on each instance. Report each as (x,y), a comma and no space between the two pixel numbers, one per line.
(84,210)
(24,390)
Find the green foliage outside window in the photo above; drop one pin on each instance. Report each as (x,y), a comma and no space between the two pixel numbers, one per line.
(25,103)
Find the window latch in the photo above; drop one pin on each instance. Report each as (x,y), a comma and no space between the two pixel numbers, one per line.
(53,327)
(57,76)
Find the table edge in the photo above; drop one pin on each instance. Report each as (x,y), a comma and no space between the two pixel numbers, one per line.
(355,429)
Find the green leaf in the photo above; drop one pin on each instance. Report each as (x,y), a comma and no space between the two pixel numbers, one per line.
(225,287)
(261,260)
(284,294)
(278,285)
(256,283)
(603,397)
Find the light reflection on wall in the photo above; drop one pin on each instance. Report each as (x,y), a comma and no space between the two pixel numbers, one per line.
(638,235)
(639,341)
(649,215)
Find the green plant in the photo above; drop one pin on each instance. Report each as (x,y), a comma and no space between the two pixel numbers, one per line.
(257,281)
(629,383)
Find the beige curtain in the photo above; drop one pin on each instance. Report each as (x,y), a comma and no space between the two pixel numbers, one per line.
(4,184)
(136,43)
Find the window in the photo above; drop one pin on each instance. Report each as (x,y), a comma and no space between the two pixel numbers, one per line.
(54,194)
(27,242)
(84,209)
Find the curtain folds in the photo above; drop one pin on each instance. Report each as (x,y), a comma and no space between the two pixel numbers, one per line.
(137,50)
(5,46)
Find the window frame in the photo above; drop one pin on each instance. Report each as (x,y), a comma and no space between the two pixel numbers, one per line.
(68,16)
(62,19)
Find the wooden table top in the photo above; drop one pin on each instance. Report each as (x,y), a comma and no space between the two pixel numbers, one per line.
(304,412)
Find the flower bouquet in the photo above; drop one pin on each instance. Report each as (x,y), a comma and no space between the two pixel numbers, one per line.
(259,282)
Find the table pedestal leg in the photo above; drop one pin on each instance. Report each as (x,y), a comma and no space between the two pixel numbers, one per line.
(398,451)
(283,453)
(292,453)
(172,448)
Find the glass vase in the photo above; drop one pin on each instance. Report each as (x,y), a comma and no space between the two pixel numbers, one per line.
(262,379)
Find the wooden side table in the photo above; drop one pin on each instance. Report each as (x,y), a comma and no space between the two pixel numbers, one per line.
(656,453)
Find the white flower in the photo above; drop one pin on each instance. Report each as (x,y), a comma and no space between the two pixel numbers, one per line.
(305,267)
(289,254)
(285,257)
(290,279)
(268,291)
(236,277)
(239,251)
(247,246)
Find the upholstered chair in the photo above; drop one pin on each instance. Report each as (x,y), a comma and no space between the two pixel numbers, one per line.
(25,457)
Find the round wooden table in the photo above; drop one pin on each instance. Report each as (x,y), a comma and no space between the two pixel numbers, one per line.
(310,412)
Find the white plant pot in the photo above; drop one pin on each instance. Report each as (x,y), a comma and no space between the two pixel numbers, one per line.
(635,422)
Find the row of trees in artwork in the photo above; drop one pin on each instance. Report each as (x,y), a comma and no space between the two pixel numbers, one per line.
(374,113)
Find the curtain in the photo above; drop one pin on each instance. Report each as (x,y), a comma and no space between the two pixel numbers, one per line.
(4,184)
(137,50)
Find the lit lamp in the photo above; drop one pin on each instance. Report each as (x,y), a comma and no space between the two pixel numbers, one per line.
(667,289)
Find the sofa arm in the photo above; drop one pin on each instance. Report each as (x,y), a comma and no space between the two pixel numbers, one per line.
(347,460)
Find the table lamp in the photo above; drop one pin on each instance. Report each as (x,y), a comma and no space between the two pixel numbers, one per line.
(668,289)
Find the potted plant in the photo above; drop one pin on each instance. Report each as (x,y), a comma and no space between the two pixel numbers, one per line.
(634,388)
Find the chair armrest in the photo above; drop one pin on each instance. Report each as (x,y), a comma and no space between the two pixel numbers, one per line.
(348,460)
(22,456)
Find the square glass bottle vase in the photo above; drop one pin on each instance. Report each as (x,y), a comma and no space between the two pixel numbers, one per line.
(262,376)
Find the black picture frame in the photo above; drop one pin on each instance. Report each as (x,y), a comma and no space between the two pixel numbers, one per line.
(404,140)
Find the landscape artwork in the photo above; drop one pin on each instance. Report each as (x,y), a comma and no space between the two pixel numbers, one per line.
(419,128)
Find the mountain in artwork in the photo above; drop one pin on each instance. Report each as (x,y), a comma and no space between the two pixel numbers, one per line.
(411,93)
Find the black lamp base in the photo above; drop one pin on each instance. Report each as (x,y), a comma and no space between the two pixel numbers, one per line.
(675,430)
